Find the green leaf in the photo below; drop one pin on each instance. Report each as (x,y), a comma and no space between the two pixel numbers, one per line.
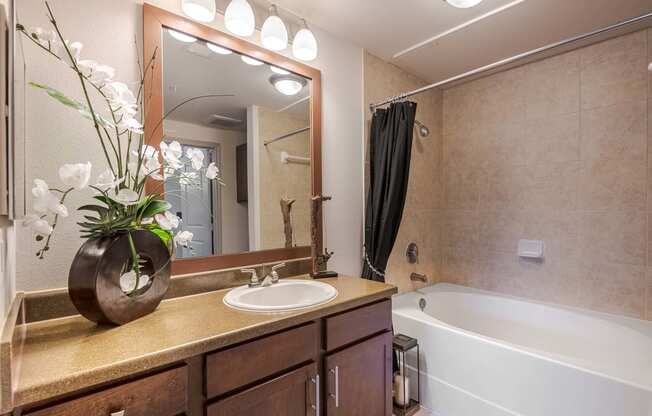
(164,235)
(95,208)
(72,103)
(155,207)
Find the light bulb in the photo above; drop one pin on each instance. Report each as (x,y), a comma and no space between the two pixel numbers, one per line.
(463,4)
(304,46)
(200,10)
(288,84)
(239,18)
(278,70)
(273,34)
(218,49)
(182,37)
(250,61)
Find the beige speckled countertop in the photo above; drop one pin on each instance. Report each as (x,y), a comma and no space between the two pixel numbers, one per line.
(63,355)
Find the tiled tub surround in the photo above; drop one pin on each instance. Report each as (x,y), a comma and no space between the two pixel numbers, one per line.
(420,223)
(556,150)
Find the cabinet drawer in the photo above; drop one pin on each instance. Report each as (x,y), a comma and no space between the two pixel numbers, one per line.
(247,363)
(293,394)
(163,394)
(351,326)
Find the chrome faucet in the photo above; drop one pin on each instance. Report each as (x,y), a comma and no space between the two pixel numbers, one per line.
(253,280)
(273,276)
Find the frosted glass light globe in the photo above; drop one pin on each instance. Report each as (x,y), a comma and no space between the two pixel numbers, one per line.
(304,46)
(273,34)
(182,37)
(200,10)
(288,84)
(218,49)
(278,70)
(463,4)
(239,18)
(250,61)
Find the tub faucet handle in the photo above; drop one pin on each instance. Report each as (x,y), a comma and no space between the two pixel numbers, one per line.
(418,277)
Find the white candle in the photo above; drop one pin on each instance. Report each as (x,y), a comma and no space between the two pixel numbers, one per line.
(401,390)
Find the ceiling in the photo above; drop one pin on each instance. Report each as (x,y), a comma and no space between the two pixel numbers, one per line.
(191,70)
(387,27)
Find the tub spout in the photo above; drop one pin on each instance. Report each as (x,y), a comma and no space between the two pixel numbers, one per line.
(418,277)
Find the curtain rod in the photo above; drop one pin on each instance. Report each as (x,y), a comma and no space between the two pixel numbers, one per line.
(532,52)
(285,136)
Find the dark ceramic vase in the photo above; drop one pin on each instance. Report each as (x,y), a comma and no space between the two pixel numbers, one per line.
(96,272)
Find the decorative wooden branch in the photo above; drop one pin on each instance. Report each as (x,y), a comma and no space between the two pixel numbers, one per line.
(286,210)
(319,258)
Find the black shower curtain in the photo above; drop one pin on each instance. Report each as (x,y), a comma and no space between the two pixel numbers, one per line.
(390,147)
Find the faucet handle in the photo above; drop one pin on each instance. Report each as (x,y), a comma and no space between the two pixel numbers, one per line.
(253,280)
(278,266)
(274,273)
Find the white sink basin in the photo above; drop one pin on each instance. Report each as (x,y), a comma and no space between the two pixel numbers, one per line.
(286,295)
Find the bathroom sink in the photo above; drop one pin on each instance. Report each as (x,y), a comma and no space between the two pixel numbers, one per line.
(284,296)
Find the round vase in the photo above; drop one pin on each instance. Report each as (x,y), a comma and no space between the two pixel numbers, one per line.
(96,274)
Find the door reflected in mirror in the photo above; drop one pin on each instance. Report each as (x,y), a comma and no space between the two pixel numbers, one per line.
(259,138)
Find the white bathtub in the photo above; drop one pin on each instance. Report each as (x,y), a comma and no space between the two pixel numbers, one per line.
(484,354)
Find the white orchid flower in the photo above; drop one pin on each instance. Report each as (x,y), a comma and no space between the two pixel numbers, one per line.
(107,180)
(167,220)
(146,152)
(131,124)
(172,153)
(212,171)
(196,156)
(38,225)
(183,238)
(97,73)
(74,48)
(45,201)
(119,95)
(127,197)
(44,36)
(152,167)
(75,175)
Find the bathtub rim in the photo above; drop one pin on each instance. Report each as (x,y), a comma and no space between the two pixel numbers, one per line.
(426,319)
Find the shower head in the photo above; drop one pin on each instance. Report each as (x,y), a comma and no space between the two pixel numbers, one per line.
(423,130)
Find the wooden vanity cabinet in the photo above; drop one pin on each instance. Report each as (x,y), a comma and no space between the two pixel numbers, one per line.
(337,365)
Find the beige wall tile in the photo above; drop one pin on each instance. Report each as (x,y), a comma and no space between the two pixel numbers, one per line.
(614,71)
(553,139)
(553,86)
(614,288)
(613,184)
(616,236)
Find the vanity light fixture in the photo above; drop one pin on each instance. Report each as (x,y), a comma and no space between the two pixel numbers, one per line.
(239,18)
(200,10)
(304,46)
(273,34)
(288,84)
(463,4)
(250,61)
(182,37)
(278,70)
(218,49)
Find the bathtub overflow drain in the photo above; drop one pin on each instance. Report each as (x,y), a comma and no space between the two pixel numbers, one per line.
(422,304)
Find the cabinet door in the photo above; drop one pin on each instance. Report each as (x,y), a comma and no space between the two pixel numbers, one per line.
(292,394)
(359,379)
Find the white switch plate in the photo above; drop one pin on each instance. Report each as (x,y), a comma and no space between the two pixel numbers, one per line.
(531,249)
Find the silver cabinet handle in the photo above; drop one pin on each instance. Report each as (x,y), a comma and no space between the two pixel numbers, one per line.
(119,413)
(336,396)
(315,381)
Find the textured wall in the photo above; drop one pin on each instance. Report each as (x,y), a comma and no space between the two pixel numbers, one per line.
(555,150)
(421,219)
(280,180)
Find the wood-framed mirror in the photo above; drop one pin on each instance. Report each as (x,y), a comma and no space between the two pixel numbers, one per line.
(265,138)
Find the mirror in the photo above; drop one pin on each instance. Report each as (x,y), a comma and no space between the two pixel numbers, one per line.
(252,113)
(261,132)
